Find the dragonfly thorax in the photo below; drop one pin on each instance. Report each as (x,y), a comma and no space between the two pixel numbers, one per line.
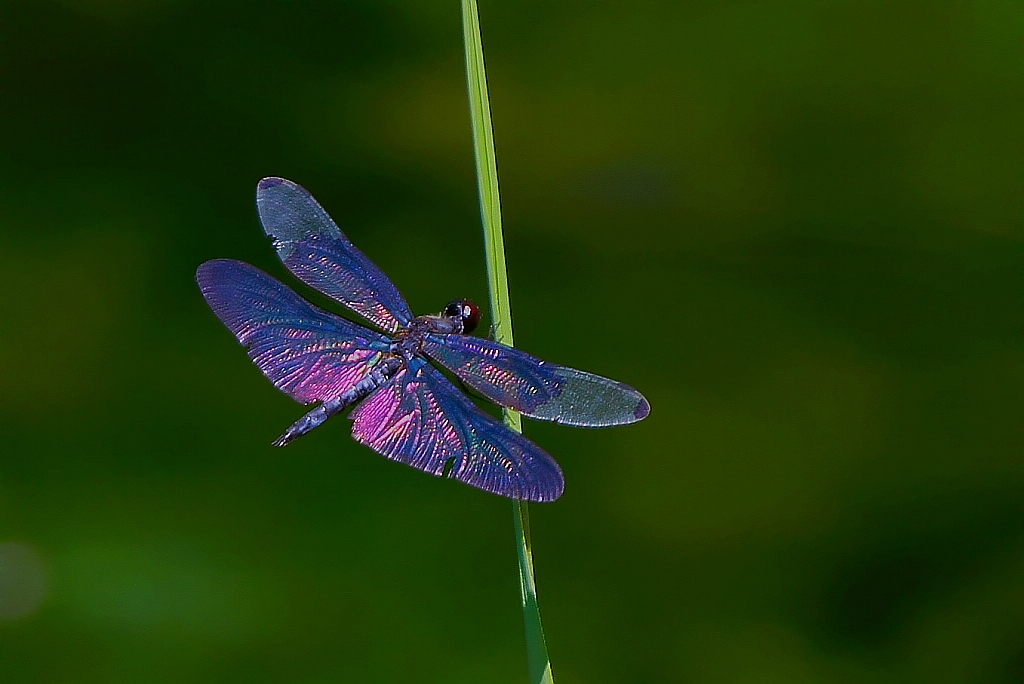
(408,341)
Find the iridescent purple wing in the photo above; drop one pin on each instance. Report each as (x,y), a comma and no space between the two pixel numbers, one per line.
(308,353)
(419,418)
(313,248)
(536,388)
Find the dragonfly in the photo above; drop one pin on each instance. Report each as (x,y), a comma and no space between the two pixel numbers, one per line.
(404,407)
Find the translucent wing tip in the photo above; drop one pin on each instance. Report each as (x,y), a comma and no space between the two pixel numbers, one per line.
(290,214)
(210,273)
(587,400)
(643,409)
(543,483)
(273,182)
(276,205)
(546,495)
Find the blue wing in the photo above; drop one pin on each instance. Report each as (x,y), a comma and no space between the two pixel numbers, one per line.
(536,388)
(308,353)
(419,418)
(315,250)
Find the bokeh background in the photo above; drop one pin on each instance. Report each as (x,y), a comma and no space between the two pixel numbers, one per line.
(795,225)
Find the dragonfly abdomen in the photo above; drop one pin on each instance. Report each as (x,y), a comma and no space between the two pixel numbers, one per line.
(380,374)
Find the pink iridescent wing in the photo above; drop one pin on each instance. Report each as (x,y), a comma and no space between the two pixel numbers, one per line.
(419,418)
(536,388)
(308,353)
(315,250)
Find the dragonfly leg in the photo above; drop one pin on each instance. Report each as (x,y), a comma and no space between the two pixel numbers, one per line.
(311,420)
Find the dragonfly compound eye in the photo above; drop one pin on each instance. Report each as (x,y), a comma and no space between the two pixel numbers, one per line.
(466,310)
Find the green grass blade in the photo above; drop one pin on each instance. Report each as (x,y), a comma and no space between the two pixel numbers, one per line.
(536,648)
(486,174)
(501,314)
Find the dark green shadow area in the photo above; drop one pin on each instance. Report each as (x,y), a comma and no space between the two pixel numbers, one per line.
(795,226)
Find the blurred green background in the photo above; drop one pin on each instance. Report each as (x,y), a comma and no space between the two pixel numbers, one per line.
(795,225)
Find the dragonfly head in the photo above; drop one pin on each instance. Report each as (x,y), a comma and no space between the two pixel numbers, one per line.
(464,310)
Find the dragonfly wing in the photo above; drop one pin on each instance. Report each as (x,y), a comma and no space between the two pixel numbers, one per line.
(308,353)
(315,250)
(419,418)
(536,388)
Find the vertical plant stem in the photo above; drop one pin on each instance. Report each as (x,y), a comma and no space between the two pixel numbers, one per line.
(539,666)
